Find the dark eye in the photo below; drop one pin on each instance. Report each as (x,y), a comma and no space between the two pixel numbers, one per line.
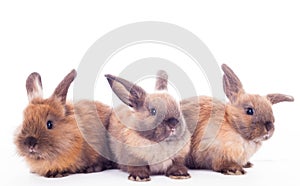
(249,111)
(49,124)
(153,111)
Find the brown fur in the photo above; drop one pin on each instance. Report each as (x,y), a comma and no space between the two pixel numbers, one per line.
(225,136)
(142,143)
(64,149)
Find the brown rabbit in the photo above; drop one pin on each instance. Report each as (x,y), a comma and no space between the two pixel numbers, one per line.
(53,139)
(227,135)
(150,137)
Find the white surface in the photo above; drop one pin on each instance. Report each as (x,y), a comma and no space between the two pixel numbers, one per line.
(259,40)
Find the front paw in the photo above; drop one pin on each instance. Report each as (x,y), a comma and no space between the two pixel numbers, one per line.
(94,168)
(248,165)
(140,175)
(56,174)
(178,172)
(233,169)
(139,178)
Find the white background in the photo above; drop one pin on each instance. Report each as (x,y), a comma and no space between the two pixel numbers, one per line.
(260,40)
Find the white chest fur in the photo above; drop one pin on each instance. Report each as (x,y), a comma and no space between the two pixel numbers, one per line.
(161,167)
(240,150)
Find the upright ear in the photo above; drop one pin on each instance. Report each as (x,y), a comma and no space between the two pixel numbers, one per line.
(62,89)
(277,98)
(161,80)
(132,95)
(231,84)
(34,86)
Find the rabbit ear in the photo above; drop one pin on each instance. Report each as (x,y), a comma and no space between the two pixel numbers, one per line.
(231,84)
(132,95)
(62,89)
(161,80)
(34,86)
(277,98)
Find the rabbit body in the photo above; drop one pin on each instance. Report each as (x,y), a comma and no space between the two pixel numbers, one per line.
(57,142)
(226,135)
(151,137)
(215,142)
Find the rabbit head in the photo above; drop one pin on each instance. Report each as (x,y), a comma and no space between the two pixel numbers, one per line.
(46,130)
(154,116)
(250,114)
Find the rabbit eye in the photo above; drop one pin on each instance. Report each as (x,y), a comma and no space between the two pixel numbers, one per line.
(153,111)
(49,124)
(249,111)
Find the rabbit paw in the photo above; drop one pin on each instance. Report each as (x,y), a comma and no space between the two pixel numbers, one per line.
(140,178)
(178,172)
(95,168)
(232,169)
(248,165)
(55,174)
(140,175)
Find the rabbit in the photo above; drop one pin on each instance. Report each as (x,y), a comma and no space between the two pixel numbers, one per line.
(226,135)
(58,138)
(148,135)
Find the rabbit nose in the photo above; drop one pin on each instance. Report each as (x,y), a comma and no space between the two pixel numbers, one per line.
(30,141)
(172,122)
(269,125)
